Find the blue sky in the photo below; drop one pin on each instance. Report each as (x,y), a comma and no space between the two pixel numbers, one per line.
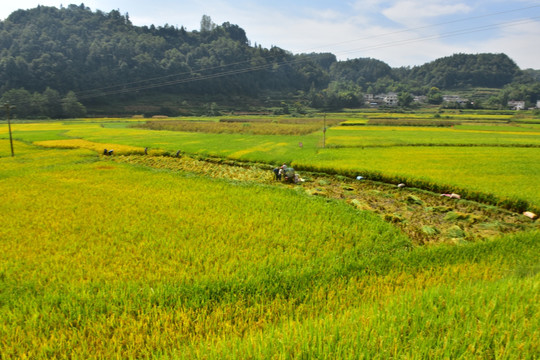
(398,32)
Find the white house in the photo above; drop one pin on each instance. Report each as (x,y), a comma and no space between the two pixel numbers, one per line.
(516,105)
(454,99)
(538,104)
(420,99)
(391,99)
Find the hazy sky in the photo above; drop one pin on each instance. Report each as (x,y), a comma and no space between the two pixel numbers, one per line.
(398,32)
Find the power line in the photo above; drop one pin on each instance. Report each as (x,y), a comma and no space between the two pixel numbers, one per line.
(88,93)
(163,80)
(443,35)
(425,27)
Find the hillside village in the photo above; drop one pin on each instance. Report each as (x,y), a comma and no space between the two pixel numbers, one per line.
(391,99)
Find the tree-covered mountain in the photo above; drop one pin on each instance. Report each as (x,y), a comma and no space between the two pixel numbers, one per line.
(76,49)
(55,58)
(465,70)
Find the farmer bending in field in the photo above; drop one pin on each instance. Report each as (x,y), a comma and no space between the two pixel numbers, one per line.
(282,169)
(277,173)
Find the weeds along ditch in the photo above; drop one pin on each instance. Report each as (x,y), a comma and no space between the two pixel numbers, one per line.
(161,257)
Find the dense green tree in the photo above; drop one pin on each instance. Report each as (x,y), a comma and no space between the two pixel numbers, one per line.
(464,70)
(94,54)
(207,24)
(360,71)
(533,74)
(22,100)
(47,104)
(435,96)
(71,107)
(52,104)
(338,95)
(405,99)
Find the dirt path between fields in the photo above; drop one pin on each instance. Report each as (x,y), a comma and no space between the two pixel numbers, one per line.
(426,217)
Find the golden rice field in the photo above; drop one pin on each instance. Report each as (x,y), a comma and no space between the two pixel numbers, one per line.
(257,126)
(504,172)
(100,259)
(136,257)
(497,161)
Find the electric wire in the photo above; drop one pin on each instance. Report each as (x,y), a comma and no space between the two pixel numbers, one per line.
(189,76)
(334,44)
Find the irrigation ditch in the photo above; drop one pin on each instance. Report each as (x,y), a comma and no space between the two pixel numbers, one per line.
(425,216)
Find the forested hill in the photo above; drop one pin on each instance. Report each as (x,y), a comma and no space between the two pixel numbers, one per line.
(463,70)
(76,49)
(93,54)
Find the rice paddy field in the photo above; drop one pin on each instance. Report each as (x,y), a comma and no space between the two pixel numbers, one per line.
(152,256)
(487,158)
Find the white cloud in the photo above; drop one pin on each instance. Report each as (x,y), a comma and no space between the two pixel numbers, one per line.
(419,12)
(7,7)
(520,42)
(324,14)
(389,30)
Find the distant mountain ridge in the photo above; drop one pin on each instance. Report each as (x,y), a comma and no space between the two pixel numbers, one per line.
(463,70)
(95,54)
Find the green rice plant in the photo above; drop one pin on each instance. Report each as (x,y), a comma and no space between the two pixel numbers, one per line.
(491,175)
(100,259)
(84,144)
(412,122)
(492,164)
(375,136)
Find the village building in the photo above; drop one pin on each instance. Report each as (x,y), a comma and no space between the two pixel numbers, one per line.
(391,99)
(373,100)
(455,99)
(421,99)
(516,105)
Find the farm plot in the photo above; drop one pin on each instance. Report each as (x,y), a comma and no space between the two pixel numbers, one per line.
(376,136)
(258,126)
(424,217)
(112,260)
(503,169)
(503,172)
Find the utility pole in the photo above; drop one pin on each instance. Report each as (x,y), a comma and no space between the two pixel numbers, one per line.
(9,107)
(324,132)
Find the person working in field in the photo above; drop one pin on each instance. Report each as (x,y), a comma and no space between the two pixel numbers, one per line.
(287,174)
(277,173)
